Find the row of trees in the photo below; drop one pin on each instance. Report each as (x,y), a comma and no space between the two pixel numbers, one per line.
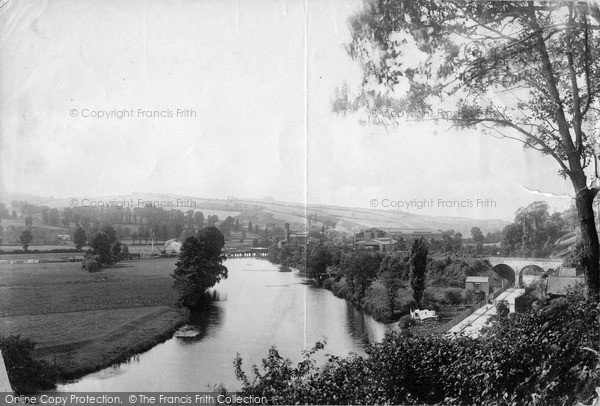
(359,268)
(535,231)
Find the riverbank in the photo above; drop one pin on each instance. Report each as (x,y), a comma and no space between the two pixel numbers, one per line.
(78,358)
(375,303)
(83,322)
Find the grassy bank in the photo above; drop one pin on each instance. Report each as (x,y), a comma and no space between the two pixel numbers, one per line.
(133,311)
(78,358)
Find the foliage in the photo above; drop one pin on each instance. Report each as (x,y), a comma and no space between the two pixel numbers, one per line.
(452,271)
(524,71)
(25,239)
(477,235)
(574,258)
(124,251)
(26,375)
(100,248)
(362,271)
(319,260)
(474,296)
(393,273)
(502,308)
(418,263)
(91,263)
(543,357)
(200,267)
(79,238)
(534,231)
(453,297)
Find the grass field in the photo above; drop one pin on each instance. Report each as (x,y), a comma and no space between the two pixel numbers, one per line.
(83,341)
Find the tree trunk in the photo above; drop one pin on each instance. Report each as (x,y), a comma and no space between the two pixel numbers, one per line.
(590,260)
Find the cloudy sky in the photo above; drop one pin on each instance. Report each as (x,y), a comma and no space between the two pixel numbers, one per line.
(253,82)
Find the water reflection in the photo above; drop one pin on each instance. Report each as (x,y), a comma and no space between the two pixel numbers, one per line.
(259,307)
(202,324)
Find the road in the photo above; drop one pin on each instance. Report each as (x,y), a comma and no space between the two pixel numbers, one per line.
(472,324)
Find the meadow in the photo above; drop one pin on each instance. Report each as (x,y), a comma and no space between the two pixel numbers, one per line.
(85,321)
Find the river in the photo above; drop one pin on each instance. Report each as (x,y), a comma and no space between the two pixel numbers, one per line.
(258,307)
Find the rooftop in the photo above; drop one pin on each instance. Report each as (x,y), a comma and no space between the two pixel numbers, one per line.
(478,279)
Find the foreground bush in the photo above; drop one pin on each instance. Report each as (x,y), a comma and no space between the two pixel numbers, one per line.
(542,358)
(26,375)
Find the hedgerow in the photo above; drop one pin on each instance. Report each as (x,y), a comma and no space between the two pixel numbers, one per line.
(545,357)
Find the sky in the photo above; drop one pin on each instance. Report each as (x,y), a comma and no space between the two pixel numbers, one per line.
(221,98)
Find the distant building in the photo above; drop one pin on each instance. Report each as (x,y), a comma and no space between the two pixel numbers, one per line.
(478,284)
(370,234)
(377,244)
(379,239)
(296,238)
(412,234)
(63,239)
(422,315)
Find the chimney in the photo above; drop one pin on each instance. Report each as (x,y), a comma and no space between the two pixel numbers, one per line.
(286,235)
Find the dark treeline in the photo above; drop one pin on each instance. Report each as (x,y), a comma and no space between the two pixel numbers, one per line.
(380,282)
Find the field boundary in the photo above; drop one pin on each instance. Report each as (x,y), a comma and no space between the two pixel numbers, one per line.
(75,308)
(39,261)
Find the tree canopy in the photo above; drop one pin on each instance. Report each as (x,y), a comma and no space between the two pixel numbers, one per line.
(525,71)
(200,267)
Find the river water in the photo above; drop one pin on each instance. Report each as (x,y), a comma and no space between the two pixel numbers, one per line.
(259,307)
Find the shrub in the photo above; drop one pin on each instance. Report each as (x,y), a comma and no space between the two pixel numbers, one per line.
(91,263)
(124,251)
(26,375)
(341,289)
(376,302)
(327,283)
(453,297)
(543,358)
(429,301)
(502,308)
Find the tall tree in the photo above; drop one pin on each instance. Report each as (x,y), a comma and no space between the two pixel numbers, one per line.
(363,271)
(199,219)
(25,239)
(200,267)
(525,71)
(418,264)
(79,238)
(100,247)
(391,273)
(318,261)
(477,235)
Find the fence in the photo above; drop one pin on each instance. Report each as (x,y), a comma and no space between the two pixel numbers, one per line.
(466,313)
(39,260)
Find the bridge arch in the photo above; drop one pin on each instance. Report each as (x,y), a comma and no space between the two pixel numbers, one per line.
(505,272)
(529,270)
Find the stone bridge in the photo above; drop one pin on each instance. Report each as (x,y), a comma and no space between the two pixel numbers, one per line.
(512,267)
(245,252)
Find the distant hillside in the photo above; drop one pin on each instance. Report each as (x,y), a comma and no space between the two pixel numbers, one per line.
(346,218)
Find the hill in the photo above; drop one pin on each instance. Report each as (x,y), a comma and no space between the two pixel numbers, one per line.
(346,218)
